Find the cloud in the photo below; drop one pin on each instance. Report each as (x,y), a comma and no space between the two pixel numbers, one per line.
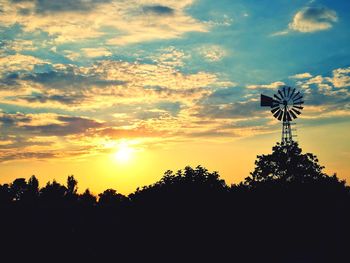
(48,6)
(96,52)
(117,22)
(305,75)
(341,77)
(323,98)
(220,20)
(104,84)
(280,33)
(170,56)
(45,135)
(224,95)
(47,124)
(19,62)
(150,107)
(4,157)
(68,126)
(213,53)
(158,10)
(13,119)
(138,132)
(241,109)
(66,99)
(274,85)
(311,19)
(18,45)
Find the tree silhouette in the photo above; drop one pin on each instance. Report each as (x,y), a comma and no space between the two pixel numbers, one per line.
(287,210)
(72,185)
(286,164)
(18,188)
(32,192)
(182,186)
(87,199)
(53,192)
(71,190)
(33,184)
(111,198)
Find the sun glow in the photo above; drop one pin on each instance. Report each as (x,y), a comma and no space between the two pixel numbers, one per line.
(124,153)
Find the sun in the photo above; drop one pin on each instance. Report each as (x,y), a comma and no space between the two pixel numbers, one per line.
(124,153)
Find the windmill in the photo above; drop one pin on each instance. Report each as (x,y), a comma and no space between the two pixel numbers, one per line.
(285,106)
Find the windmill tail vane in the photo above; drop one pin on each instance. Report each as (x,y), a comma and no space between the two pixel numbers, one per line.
(285,106)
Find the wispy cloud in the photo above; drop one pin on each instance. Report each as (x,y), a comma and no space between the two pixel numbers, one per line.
(96,52)
(274,85)
(305,75)
(213,53)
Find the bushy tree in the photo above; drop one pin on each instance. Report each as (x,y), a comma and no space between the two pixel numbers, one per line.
(87,198)
(53,192)
(183,188)
(110,197)
(286,163)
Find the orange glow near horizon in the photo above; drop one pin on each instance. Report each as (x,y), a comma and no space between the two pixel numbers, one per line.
(124,167)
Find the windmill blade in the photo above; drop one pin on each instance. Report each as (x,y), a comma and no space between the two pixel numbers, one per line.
(298,102)
(284,91)
(275,109)
(295,95)
(300,97)
(278,98)
(288,116)
(293,115)
(277,113)
(293,91)
(284,115)
(288,92)
(296,111)
(280,115)
(298,107)
(280,94)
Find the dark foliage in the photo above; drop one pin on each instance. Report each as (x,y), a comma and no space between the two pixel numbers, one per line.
(287,210)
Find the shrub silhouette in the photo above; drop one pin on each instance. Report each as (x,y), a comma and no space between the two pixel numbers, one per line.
(287,210)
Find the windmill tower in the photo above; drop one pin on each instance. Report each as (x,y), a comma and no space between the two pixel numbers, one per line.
(285,106)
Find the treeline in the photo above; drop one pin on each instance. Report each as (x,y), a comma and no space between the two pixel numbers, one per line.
(287,210)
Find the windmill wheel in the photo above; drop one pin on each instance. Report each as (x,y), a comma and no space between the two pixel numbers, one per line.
(285,105)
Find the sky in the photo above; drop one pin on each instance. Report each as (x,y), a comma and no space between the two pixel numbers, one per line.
(116,92)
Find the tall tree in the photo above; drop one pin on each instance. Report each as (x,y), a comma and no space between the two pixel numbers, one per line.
(72,185)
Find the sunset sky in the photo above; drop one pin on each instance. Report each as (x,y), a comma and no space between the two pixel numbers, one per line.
(116,92)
